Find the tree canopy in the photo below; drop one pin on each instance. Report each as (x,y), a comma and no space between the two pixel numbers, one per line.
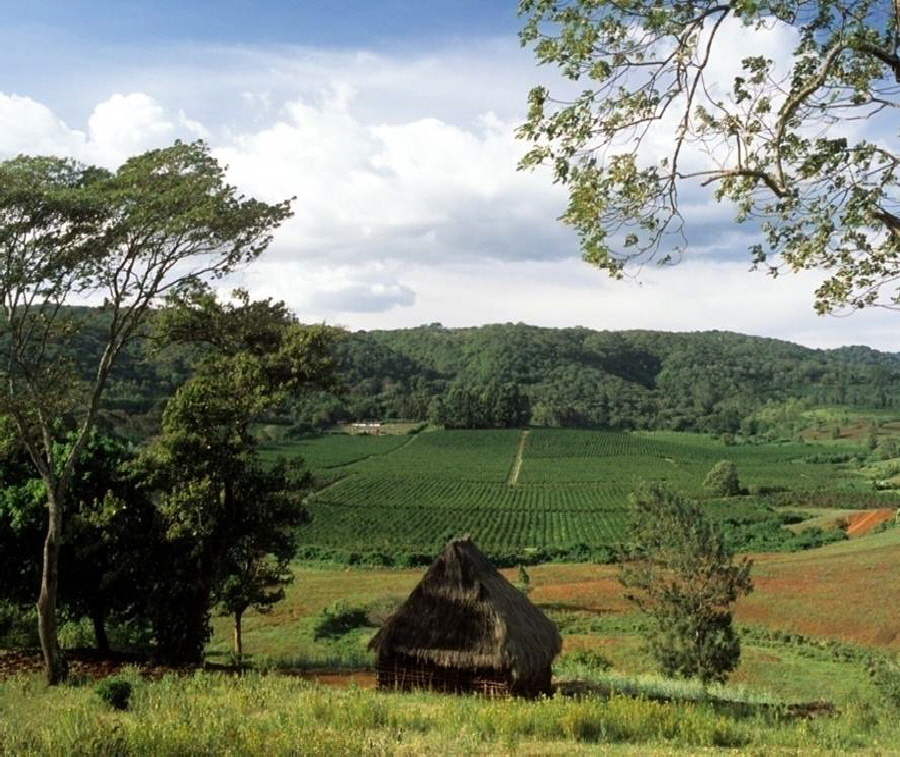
(790,141)
(164,220)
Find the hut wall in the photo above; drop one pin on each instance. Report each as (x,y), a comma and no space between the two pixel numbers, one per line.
(406,673)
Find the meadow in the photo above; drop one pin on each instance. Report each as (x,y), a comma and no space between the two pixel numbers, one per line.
(817,624)
(810,632)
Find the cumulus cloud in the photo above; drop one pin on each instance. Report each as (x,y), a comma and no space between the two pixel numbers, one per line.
(409,208)
(27,126)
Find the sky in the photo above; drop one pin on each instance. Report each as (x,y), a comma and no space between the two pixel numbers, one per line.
(392,123)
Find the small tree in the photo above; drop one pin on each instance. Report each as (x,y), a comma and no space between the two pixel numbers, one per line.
(679,572)
(722,480)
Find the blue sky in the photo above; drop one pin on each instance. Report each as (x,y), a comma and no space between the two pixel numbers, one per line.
(338,24)
(393,123)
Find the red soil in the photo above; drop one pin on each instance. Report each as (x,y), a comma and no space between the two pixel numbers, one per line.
(863,522)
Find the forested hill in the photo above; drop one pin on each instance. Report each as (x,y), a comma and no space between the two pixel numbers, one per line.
(508,374)
(513,374)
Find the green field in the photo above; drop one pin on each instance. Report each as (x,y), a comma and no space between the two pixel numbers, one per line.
(566,496)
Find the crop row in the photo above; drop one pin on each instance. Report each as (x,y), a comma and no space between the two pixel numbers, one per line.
(379,493)
(325,451)
(424,529)
(458,455)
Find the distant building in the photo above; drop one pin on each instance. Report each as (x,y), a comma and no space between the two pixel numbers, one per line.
(366,428)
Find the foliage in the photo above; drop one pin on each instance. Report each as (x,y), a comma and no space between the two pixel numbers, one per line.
(338,619)
(230,519)
(681,574)
(752,388)
(722,480)
(165,219)
(780,143)
(886,675)
(116,692)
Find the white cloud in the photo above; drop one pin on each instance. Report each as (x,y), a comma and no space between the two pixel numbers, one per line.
(409,207)
(27,126)
(129,124)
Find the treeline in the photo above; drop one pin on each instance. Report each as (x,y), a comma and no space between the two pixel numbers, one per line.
(158,537)
(507,375)
(716,382)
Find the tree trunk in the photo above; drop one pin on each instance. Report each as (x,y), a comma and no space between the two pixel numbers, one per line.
(54,664)
(98,618)
(238,646)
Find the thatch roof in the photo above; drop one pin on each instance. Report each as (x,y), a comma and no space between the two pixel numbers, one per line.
(464,614)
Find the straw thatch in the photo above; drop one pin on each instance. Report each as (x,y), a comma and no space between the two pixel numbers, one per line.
(465,627)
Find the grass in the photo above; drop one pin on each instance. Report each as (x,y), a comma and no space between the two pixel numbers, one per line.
(845,592)
(209,714)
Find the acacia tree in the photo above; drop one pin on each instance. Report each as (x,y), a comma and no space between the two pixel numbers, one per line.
(772,142)
(71,233)
(679,571)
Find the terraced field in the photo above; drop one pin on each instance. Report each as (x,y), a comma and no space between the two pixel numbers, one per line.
(408,494)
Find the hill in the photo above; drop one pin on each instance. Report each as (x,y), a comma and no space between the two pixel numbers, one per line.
(508,374)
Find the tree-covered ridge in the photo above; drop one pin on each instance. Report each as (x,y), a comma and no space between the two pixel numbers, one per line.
(707,381)
(512,374)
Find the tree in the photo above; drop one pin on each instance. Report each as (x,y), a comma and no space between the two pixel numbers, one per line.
(679,572)
(257,562)
(783,146)
(722,480)
(71,232)
(231,521)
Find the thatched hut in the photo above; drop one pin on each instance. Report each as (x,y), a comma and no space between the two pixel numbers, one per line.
(466,628)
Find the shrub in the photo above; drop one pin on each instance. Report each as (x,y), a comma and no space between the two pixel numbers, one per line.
(338,619)
(886,677)
(116,692)
(722,480)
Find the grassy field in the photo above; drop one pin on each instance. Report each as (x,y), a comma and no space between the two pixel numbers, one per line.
(550,493)
(267,715)
(803,604)
(807,630)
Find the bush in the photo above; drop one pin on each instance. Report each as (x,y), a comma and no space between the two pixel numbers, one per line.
(886,677)
(722,480)
(116,692)
(587,658)
(338,619)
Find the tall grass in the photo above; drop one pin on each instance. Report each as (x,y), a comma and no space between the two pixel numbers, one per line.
(209,714)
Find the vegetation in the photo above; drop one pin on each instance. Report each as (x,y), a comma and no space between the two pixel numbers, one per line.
(398,504)
(755,388)
(165,219)
(647,72)
(680,573)
(722,480)
(208,714)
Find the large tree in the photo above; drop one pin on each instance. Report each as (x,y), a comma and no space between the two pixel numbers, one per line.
(71,233)
(230,519)
(646,124)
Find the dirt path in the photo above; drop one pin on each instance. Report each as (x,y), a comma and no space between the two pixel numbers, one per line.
(864,522)
(513,478)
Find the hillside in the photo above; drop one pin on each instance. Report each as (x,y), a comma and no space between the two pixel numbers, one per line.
(509,375)
(498,375)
